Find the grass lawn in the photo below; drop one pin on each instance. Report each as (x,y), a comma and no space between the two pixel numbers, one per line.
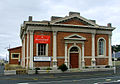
(116,62)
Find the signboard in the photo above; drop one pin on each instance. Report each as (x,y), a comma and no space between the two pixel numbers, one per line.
(38,58)
(43,39)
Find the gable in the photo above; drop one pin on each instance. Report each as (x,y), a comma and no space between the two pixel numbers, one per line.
(73,21)
(75,37)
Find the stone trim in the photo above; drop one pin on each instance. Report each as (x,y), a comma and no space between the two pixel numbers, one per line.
(80,55)
(104,46)
(70,29)
(110,53)
(96,57)
(15,58)
(73,16)
(79,37)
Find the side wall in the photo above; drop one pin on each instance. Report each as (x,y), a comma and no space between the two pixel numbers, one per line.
(16,50)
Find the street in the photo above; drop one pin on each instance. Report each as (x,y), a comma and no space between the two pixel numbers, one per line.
(64,78)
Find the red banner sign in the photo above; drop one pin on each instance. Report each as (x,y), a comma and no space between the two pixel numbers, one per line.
(41,39)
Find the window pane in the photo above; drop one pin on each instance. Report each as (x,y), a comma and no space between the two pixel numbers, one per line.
(41,49)
(101,47)
(15,55)
(74,49)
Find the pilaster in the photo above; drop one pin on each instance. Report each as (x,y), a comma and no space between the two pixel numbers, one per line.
(54,50)
(31,50)
(110,53)
(23,53)
(93,61)
(27,48)
(66,62)
(83,60)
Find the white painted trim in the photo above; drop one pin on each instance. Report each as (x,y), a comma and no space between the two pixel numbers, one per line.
(27,49)
(110,53)
(79,37)
(24,53)
(47,49)
(31,50)
(83,61)
(46,53)
(54,49)
(15,58)
(79,55)
(96,57)
(37,49)
(72,16)
(80,29)
(104,47)
(66,62)
(93,51)
(69,41)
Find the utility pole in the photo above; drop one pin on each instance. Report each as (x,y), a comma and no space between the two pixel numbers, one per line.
(114,63)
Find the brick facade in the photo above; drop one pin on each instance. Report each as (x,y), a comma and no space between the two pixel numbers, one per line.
(67,32)
(15,50)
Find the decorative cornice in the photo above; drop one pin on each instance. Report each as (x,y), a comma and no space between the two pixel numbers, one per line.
(70,25)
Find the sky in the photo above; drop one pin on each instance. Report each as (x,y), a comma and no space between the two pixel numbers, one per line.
(14,12)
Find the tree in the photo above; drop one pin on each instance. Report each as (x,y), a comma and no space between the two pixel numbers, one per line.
(115,48)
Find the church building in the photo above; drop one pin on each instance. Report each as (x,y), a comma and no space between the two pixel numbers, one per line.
(72,40)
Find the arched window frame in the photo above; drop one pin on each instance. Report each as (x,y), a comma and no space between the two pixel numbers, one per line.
(104,46)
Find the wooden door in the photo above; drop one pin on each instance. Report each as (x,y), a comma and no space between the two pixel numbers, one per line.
(74,60)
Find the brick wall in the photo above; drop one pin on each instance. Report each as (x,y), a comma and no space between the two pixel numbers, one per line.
(102,61)
(14,50)
(50,49)
(41,64)
(96,40)
(61,42)
(74,22)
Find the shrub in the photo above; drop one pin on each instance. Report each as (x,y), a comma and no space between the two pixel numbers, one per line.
(63,67)
(86,67)
(36,70)
(107,66)
(118,58)
(48,68)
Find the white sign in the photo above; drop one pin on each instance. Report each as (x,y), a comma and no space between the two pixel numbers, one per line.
(38,58)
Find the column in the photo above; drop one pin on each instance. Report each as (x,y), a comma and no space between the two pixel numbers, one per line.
(54,50)
(66,54)
(83,61)
(27,48)
(23,53)
(93,63)
(110,53)
(31,50)
(46,49)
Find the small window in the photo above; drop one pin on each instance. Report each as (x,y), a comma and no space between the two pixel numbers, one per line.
(74,49)
(41,49)
(101,46)
(15,55)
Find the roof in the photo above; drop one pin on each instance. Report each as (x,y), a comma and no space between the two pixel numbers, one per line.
(15,48)
(59,22)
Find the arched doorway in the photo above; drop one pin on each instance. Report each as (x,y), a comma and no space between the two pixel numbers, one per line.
(74,57)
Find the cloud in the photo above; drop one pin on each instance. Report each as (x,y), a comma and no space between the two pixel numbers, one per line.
(14,12)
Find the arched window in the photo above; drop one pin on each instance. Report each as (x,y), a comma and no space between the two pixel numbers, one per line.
(74,49)
(101,44)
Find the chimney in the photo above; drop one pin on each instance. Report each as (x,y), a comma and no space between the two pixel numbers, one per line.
(30,19)
(74,13)
(93,21)
(55,18)
(109,25)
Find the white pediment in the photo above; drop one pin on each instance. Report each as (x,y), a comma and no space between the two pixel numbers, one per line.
(75,37)
(73,16)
